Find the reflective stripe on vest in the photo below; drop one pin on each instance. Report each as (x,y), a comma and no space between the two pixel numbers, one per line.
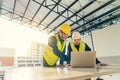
(81,47)
(49,55)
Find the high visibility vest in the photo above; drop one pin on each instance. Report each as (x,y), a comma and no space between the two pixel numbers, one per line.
(81,47)
(49,55)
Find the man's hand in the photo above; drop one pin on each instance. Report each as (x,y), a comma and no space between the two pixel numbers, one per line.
(68,64)
(60,65)
(102,64)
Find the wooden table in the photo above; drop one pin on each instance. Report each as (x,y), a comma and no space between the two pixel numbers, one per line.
(43,73)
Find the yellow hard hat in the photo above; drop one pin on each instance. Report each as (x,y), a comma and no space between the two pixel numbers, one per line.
(76,35)
(65,28)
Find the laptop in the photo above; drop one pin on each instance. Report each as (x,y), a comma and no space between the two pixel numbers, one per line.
(85,59)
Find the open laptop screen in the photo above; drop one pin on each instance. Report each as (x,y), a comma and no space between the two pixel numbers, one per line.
(83,59)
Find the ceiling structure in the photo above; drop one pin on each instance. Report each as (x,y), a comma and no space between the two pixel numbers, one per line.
(47,15)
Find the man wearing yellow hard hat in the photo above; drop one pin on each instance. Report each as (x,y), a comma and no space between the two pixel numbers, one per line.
(77,45)
(55,49)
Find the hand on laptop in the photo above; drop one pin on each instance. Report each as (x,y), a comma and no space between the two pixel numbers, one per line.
(102,64)
(68,64)
(60,65)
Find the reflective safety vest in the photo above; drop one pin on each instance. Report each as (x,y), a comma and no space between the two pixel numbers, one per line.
(81,47)
(49,56)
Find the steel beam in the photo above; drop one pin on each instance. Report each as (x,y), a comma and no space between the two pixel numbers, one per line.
(54,10)
(49,13)
(104,14)
(102,6)
(61,14)
(25,10)
(37,11)
(13,9)
(74,14)
(102,22)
